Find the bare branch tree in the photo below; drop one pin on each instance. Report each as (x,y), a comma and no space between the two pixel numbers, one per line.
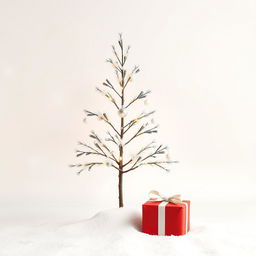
(148,154)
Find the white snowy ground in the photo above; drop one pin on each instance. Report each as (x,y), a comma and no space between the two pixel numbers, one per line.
(217,229)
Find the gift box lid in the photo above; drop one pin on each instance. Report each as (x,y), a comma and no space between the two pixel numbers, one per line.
(156,203)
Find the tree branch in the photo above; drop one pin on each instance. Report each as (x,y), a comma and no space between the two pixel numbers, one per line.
(114,50)
(89,165)
(140,96)
(131,169)
(129,79)
(101,144)
(102,117)
(109,85)
(111,138)
(115,65)
(135,135)
(108,96)
(141,132)
(135,120)
(114,128)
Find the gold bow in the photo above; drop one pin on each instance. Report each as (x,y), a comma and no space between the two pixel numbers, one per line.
(175,199)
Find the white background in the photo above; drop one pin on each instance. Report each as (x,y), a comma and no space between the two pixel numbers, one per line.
(197,58)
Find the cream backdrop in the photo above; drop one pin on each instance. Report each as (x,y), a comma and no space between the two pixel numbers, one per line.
(198,59)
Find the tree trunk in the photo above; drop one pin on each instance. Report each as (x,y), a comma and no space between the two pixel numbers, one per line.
(120,189)
(121,149)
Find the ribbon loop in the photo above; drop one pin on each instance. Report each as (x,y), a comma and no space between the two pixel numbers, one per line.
(175,199)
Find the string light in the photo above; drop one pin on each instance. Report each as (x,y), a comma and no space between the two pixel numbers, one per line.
(121,112)
(112,99)
(101,117)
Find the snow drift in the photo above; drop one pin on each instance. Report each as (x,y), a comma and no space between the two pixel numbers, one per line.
(117,232)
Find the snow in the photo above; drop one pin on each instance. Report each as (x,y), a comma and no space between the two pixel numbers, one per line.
(117,232)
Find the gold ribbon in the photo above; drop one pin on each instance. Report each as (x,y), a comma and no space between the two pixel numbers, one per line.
(175,199)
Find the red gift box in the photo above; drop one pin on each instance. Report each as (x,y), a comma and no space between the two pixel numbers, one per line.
(163,218)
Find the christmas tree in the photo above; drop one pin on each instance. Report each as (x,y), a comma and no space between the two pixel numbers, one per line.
(150,154)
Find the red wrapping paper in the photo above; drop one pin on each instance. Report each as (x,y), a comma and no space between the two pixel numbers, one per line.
(175,218)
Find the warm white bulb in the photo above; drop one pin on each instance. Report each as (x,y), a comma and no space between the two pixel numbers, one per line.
(121,112)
